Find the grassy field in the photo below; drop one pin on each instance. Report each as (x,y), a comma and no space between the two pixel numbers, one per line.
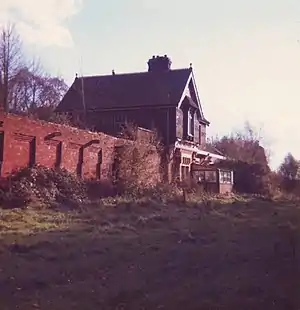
(121,255)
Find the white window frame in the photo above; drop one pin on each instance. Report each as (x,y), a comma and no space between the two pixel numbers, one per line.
(187,170)
(225,180)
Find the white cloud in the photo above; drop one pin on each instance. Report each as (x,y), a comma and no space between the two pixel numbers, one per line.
(41,22)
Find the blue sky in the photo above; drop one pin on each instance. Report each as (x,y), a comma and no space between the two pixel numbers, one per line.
(245,54)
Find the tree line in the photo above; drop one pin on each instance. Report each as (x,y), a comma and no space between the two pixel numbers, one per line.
(249,159)
(25,87)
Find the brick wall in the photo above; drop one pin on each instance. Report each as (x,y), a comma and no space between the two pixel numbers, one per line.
(25,142)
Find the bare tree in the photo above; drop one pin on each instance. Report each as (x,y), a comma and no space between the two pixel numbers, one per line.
(25,89)
(247,144)
(11,59)
(33,89)
(24,86)
(54,88)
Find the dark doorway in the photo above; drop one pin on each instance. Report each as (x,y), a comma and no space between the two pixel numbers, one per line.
(58,159)
(32,152)
(1,150)
(80,162)
(98,166)
(116,164)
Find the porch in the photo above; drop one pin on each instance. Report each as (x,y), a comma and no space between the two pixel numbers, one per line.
(212,179)
(200,166)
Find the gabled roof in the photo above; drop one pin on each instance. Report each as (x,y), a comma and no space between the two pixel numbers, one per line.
(126,90)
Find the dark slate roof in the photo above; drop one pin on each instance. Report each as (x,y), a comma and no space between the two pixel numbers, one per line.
(126,90)
(211,149)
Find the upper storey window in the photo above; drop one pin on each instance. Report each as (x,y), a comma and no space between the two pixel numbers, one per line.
(190,123)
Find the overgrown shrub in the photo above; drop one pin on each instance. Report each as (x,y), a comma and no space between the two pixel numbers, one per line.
(248,158)
(48,186)
(249,178)
(138,160)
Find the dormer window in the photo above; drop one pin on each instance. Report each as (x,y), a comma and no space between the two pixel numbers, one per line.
(190,123)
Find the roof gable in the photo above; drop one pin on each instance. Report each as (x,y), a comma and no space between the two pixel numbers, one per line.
(190,90)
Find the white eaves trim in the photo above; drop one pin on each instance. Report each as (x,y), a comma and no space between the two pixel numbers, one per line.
(191,78)
(197,150)
(184,90)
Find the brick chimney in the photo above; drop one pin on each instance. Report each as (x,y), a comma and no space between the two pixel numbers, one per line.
(159,64)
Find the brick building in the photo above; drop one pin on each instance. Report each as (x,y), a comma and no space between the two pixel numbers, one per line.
(161,98)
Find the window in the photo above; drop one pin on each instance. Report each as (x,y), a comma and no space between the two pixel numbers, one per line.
(211,176)
(200,133)
(186,160)
(185,173)
(185,168)
(200,176)
(226,177)
(190,123)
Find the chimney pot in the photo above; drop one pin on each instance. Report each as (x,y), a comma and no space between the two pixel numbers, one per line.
(159,64)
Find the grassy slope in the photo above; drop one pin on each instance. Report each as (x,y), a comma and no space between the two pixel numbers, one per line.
(240,255)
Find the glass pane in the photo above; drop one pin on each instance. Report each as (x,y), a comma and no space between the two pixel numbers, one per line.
(182,172)
(225,177)
(210,176)
(185,172)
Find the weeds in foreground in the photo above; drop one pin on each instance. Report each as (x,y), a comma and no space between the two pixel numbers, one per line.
(40,187)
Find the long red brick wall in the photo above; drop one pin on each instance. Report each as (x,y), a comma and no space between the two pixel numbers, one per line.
(25,142)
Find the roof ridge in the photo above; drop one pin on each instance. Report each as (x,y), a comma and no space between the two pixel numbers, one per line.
(127,73)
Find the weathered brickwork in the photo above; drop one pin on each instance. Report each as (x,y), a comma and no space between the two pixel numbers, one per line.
(26,142)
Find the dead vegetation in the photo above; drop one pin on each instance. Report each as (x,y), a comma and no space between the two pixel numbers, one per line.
(44,187)
(146,254)
(136,173)
(138,160)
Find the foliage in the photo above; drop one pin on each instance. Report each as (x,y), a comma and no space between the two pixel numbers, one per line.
(289,167)
(24,85)
(47,113)
(49,187)
(248,158)
(32,90)
(44,187)
(11,59)
(288,175)
(243,145)
(250,178)
(137,159)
